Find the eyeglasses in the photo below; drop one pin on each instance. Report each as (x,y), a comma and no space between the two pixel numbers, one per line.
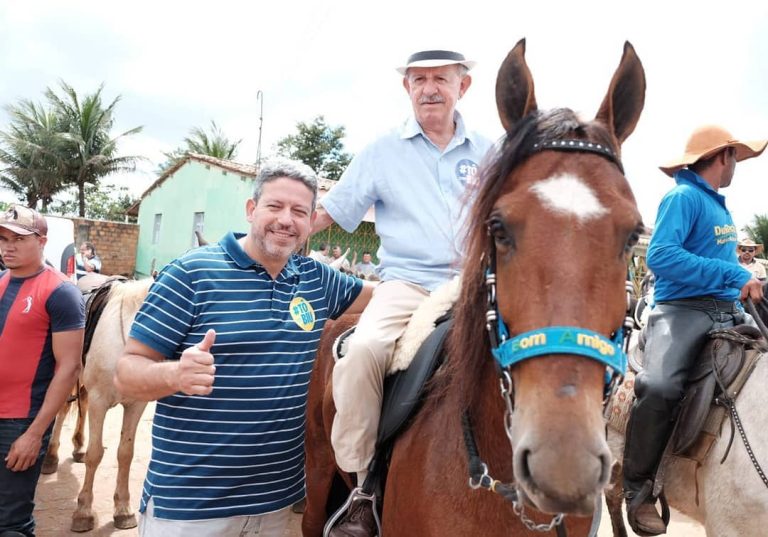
(749,250)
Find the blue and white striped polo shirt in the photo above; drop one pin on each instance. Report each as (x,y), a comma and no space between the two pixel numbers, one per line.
(239,450)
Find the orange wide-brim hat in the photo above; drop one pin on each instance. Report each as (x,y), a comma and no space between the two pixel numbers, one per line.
(708,140)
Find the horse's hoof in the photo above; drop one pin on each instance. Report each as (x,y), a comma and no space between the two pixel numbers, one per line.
(49,466)
(125,522)
(83,523)
(78,456)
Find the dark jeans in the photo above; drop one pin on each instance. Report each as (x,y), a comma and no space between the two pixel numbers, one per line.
(17,489)
(676,332)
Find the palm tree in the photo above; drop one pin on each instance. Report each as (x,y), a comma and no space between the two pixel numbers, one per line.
(758,230)
(90,151)
(29,150)
(213,143)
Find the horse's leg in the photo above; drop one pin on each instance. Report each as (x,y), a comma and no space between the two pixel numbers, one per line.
(83,518)
(320,470)
(124,517)
(51,461)
(78,436)
(320,465)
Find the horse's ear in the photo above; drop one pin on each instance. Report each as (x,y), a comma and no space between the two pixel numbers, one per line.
(624,101)
(514,87)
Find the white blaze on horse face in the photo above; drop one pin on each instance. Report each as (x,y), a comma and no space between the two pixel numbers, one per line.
(569,195)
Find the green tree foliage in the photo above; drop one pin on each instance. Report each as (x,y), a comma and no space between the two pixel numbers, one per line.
(758,231)
(102,202)
(213,143)
(29,152)
(91,151)
(318,145)
(68,142)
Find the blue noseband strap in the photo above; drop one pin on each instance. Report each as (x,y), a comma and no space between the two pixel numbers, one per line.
(561,340)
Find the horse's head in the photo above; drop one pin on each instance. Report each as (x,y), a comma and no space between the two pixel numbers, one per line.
(554,222)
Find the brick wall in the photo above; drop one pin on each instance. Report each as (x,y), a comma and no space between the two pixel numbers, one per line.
(115,243)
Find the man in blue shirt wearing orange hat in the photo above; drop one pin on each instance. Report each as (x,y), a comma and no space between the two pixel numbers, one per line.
(698,284)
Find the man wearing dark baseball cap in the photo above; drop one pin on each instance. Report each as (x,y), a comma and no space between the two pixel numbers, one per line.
(24,221)
(41,339)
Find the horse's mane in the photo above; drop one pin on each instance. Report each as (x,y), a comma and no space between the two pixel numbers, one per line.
(468,345)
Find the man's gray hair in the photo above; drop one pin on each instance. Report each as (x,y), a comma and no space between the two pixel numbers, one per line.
(279,168)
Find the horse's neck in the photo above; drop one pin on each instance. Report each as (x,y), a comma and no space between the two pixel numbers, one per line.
(487,413)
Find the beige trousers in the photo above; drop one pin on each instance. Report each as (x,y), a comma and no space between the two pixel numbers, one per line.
(358,378)
(268,525)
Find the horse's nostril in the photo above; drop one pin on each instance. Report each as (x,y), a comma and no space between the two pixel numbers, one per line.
(525,470)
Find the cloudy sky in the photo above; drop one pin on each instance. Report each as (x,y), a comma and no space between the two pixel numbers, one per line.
(177,65)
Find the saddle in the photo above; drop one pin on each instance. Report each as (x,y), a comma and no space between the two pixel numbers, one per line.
(96,298)
(403,388)
(403,391)
(722,369)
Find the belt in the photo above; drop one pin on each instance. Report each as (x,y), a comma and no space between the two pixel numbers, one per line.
(707,303)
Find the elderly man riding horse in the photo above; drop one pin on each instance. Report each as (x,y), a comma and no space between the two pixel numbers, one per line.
(416,176)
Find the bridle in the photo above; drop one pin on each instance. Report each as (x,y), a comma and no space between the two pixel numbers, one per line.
(508,351)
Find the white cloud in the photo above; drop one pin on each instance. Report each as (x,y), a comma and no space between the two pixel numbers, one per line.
(181,64)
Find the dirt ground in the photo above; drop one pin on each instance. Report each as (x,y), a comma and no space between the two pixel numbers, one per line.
(57,493)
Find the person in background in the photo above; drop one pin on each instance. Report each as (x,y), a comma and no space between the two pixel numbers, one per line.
(42,317)
(321,254)
(365,269)
(698,284)
(747,251)
(225,342)
(339,261)
(86,260)
(417,177)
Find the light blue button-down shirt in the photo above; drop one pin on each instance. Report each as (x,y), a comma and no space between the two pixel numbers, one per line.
(419,196)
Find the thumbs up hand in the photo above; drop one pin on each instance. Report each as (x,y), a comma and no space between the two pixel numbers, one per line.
(196,368)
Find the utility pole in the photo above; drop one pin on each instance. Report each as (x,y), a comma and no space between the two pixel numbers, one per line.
(260,98)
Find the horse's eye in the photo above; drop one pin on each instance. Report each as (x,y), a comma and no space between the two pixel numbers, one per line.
(633,238)
(498,230)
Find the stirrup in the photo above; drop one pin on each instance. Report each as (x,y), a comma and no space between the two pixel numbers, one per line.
(638,499)
(356,494)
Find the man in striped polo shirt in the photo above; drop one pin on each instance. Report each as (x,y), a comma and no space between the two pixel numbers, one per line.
(41,339)
(225,341)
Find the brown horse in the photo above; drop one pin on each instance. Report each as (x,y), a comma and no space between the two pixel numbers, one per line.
(556,184)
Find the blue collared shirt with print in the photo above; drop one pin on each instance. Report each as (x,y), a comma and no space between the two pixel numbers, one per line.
(420,197)
(693,247)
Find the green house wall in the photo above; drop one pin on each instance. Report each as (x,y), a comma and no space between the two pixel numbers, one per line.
(194,187)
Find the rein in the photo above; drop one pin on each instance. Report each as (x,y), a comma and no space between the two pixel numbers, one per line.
(612,352)
(729,402)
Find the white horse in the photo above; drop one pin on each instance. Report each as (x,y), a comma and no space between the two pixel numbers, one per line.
(728,499)
(97,395)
